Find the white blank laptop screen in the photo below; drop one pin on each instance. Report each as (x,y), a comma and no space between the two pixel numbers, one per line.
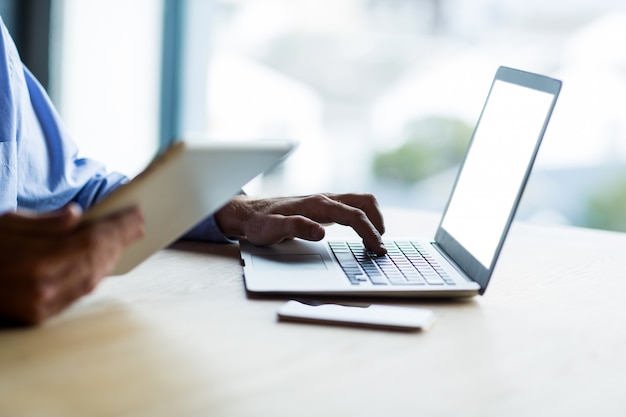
(494,168)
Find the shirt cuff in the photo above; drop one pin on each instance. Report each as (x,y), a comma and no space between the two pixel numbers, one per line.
(208,230)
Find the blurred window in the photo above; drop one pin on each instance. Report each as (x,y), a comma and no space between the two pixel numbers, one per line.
(381,94)
(106,77)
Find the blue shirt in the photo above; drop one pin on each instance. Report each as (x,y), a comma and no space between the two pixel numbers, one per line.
(39,165)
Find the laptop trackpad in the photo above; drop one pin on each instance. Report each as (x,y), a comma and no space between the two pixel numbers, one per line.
(288,261)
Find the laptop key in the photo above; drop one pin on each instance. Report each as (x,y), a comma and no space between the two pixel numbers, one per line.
(361,277)
(353,279)
(404,264)
(377,278)
(433,279)
(398,280)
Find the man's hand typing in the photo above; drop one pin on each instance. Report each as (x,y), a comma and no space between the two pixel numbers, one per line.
(269,221)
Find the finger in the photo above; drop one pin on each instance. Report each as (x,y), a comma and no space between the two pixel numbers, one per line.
(97,247)
(324,209)
(63,296)
(55,222)
(125,226)
(358,220)
(365,202)
(20,306)
(73,264)
(87,257)
(34,303)
(100,247)
(317,207)
(84,259)
(271,229)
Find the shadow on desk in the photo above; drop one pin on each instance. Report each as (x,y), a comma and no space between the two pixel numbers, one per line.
(7,324)
(229,250)
(365,301)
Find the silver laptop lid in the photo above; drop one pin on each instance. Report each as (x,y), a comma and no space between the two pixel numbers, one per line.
(495,170)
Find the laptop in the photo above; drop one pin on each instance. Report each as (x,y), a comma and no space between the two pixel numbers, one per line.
(182,186)
(460,259)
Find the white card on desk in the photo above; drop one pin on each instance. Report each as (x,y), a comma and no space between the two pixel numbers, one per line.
(381,316)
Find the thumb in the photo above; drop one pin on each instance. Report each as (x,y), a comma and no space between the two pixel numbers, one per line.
(268,230)
(54,222)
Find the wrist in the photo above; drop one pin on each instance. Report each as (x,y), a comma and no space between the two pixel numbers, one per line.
(231,216)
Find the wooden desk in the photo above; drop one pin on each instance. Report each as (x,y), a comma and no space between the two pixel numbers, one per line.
(178,337)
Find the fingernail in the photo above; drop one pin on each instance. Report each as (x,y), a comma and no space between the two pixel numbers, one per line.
(317,233)
(382,246)
(75,209)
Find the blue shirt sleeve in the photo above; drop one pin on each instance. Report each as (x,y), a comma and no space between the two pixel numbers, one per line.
(40,168)
(208,230)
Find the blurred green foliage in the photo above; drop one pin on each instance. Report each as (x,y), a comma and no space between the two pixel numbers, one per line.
(432,145)
(606,206)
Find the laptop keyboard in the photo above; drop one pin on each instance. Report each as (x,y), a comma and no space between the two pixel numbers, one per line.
(406,263)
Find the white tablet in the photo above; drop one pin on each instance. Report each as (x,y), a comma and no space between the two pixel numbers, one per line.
(184,185)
